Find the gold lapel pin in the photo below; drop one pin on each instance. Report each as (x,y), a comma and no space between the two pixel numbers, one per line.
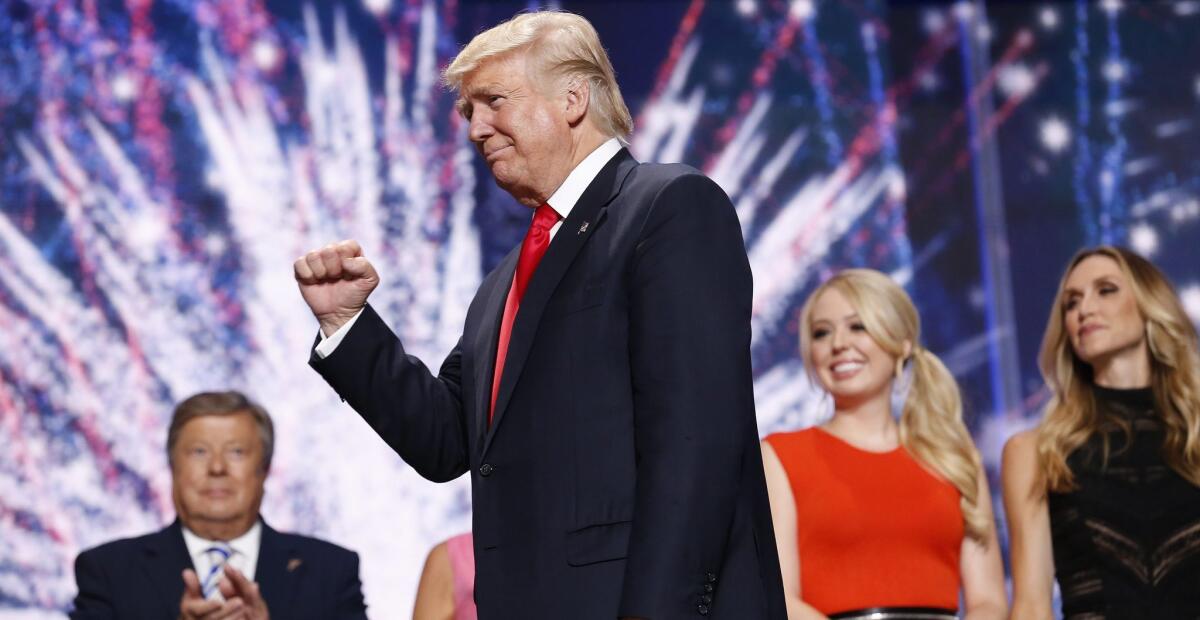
(293,564)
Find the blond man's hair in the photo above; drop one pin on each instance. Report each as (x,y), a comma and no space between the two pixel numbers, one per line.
(931,422)
(1073,415)
(561,46)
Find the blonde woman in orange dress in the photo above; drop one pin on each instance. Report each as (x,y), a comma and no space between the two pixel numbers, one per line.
(878,516)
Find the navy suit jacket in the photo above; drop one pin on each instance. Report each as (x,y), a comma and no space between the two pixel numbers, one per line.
(135,578)
(621,474)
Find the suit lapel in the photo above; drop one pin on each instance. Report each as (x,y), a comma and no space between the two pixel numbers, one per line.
(488,339)
(278,568)
(166,557)
(584,219)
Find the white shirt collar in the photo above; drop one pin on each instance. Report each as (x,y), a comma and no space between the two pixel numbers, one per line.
(245,550)
(567,194)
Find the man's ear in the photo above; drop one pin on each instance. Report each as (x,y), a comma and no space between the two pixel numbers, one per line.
(578,98)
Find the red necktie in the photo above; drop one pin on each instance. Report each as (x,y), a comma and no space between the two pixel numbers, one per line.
(537,239)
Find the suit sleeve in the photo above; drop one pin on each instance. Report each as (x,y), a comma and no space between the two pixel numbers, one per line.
(94,601)
(418,414)
(350,603)
(693,394)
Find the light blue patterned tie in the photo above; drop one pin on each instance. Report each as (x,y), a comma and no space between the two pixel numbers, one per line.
(219,554)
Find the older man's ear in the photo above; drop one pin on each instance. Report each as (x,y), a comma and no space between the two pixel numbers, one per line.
(578,98)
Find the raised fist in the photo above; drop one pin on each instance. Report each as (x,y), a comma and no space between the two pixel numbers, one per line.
(335,282)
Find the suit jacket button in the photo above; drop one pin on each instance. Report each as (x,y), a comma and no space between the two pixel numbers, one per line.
(710,578)
(706,598)
(702,609)
(708,587)
(486,470)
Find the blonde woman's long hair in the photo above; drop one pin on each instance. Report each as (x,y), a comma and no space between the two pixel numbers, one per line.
(931,422)
(1072,416)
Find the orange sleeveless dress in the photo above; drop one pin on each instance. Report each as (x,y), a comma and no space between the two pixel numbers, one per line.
(874,529)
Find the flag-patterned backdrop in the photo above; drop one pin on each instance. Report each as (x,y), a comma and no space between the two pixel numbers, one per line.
(162,162)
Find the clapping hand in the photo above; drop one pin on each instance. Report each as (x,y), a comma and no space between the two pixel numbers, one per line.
(243,600)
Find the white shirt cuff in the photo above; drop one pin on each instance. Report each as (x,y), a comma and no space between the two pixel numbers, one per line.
(329,343)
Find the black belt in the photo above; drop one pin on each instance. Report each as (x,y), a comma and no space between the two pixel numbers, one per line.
(897,613)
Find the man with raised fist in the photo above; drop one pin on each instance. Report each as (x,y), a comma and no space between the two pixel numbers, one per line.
(601,393)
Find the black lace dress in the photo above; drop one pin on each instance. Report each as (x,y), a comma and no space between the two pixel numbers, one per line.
(1127,540)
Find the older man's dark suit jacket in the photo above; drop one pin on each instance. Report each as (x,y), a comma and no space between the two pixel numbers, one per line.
(621,474)
(300,578)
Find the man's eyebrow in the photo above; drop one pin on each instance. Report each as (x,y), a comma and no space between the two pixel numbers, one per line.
(474,90)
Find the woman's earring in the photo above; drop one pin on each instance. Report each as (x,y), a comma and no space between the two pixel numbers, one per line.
(900,387)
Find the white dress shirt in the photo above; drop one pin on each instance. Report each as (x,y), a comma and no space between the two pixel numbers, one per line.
(244,556)
(562,201)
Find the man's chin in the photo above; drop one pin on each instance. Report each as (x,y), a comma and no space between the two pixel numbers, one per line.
(219,524)
(219,517)
(502,180)
(511,188)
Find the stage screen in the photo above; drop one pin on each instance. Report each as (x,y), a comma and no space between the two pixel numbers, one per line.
(165,161)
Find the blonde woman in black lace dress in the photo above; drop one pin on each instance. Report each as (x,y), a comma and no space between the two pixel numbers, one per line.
(1104,495)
